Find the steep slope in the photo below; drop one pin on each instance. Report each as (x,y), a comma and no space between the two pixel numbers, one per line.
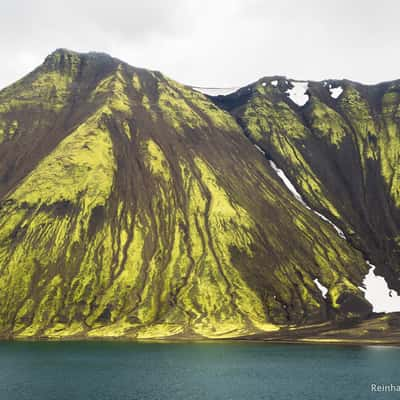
(133,206)
(338,142)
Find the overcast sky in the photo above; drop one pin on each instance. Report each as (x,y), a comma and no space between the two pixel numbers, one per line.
(210,42)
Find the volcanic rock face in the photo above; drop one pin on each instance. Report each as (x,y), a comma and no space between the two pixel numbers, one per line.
(134,206)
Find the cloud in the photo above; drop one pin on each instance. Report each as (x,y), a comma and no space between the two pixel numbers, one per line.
(224,42)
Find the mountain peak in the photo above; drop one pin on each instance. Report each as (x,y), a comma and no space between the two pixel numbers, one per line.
(60,54)
(64,52)
(69,61)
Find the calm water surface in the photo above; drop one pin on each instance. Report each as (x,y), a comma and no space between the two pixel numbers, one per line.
(185,371)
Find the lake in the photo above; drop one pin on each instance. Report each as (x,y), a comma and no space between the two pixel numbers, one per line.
(185,371)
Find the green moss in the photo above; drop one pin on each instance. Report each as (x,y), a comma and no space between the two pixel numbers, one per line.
(356,108)
(389,144)
(114,88)
(159,331)
(175,109)
(117,329)
(228,225)
(136,82)
(343,285)
(76,177)
(215,117)
(8,128)
(50,89)
(264,118)
(47,308)
(82,163)
(61,330)
(127,130)
(155,159)
(327,123)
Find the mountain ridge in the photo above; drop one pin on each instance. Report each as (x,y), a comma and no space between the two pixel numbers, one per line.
(306,116)
(134,206)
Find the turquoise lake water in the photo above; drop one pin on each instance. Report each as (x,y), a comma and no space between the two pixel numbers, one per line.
(185,371)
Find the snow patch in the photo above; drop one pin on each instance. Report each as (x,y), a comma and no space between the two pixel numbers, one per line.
(264,83)
(259,149)
(287,183)
(215,91)
(377,292)
(337,229)
(336,92)
(321,287)
(274,83)
(298,92)
(298,196)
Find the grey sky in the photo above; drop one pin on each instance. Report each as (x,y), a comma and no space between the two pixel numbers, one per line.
(210,42)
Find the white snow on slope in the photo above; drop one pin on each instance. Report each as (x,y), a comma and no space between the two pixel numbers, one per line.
(274,83)
(377,292)
(298,196)
(259,149)
(336,92)
(322,288)
(376,289)
(264,83)
(337,229)
(298,93)
(287,183)
(215,91)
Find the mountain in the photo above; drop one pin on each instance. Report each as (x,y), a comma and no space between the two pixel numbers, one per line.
(338,142)
(131,205)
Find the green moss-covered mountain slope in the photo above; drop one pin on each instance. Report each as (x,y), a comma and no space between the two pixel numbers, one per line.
(134,206)
(340,149)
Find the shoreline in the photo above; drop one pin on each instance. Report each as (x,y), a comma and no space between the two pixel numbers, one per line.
(378,330)
(345,343)
(183,340)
